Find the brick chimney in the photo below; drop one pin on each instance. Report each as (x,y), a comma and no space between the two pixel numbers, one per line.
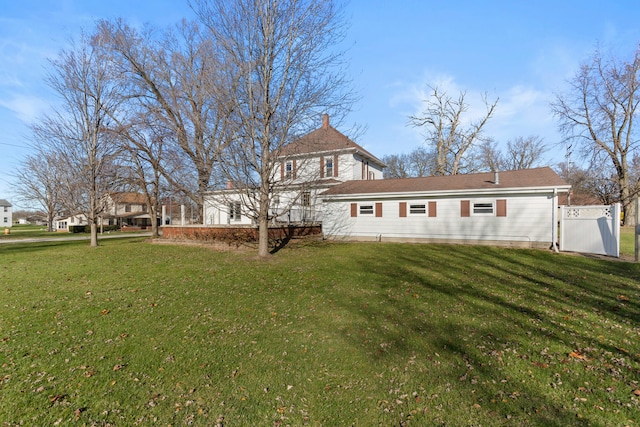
(325,121)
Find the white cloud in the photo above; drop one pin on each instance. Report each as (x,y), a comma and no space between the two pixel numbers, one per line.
(27,108)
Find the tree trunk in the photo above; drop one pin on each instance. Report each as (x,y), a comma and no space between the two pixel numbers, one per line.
(94,234)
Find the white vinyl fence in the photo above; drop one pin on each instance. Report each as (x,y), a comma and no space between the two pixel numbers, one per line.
(590,229)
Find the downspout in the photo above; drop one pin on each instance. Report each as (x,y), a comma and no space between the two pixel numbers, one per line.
(554,221)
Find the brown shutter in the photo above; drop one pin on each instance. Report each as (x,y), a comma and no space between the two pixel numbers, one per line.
(465,208)
(294,171)
(354,209)
(501,207)
(403,209)
(433,209)
(335,165)
(282,166)
(378,210)
(321,167)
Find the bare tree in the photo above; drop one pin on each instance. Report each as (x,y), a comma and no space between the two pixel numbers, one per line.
(523,153)
(78,127)
(176,80)
(597,115)
(283,70)
(417,163)
(446,130)
(38,180)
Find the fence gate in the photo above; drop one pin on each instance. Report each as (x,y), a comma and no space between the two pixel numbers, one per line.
(590,229)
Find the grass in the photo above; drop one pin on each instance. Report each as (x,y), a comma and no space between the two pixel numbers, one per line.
(132,333)
(28,231)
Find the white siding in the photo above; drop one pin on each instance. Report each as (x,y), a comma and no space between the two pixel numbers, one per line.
(528,219)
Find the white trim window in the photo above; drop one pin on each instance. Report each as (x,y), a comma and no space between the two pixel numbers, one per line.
(234,211)
(328,167)
(483,208)
(366,209)
(417,209)
(288,169)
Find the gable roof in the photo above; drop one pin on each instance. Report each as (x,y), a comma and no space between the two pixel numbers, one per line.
(3,202)
(128,197)
(538,178)
(324,139)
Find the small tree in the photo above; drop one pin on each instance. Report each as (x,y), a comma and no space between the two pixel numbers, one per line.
(39,179)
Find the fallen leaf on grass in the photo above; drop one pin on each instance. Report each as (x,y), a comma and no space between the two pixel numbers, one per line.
(103,312)
(622,298)
(577,355)
(78,412)
(636,392)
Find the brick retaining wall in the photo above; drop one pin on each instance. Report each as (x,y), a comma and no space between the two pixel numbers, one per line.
(235,234)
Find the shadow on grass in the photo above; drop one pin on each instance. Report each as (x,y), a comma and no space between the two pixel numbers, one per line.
(492,313)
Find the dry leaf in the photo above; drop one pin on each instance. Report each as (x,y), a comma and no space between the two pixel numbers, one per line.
(636,392)
(577,355)
(622,298)
(103,312)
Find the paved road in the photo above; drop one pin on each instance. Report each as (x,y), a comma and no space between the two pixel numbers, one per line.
(70,238)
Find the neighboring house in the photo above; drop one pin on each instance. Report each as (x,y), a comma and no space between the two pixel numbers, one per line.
(126,210)
(305,168)
(509,208)
(6,214)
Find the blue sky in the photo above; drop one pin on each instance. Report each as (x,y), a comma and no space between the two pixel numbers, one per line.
(521,52)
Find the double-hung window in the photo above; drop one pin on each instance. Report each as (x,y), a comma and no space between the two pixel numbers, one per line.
(234,211)
(288,171)
(328,167)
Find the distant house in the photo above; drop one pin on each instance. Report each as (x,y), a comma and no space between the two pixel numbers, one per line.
(6,214)
(126,210)
(304,169)
(507,208)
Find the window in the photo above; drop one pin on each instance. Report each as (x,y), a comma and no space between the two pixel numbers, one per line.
(328,167)
(6,219)
(306,199)
(144,208)
(483,208)
(73,219)
(366,209)
(6,208)
(372,176)
(288,171)
(127,208)
(417,209)
(234,211)
(62,225)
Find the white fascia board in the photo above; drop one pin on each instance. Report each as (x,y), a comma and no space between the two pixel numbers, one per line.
(449,193)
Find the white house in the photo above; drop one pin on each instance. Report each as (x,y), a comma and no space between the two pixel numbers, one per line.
(506,208)
(125,210)
(6,214)
(304,169)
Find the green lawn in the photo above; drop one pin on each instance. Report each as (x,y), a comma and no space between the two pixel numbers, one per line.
(134,333)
